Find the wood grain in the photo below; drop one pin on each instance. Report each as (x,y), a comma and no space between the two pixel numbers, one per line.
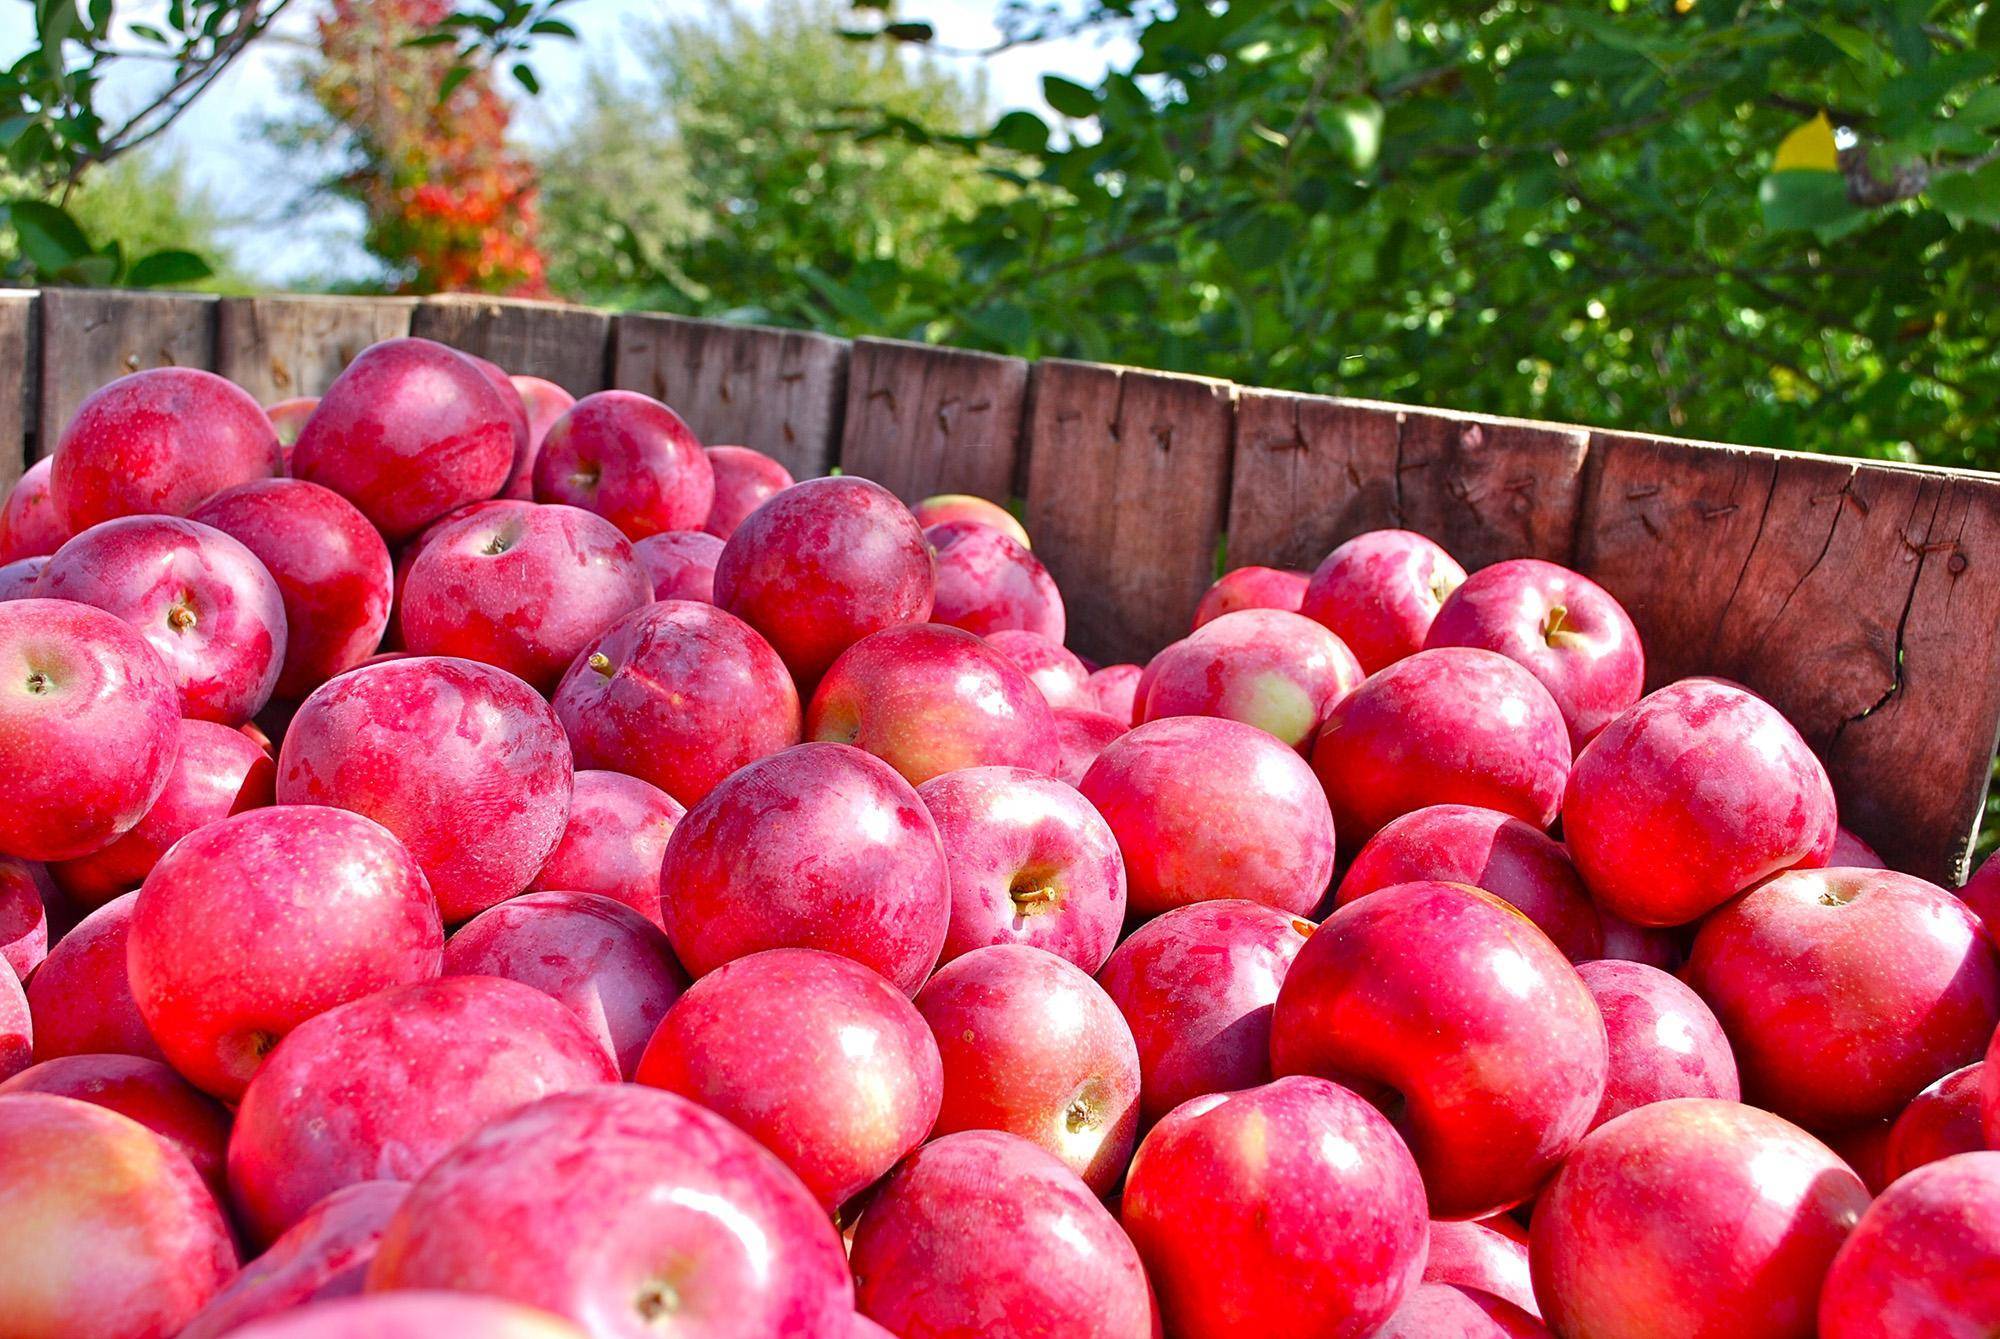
(1490,488)
(552,340)
(1128,486)
(923,420)
(93,335)
(777,391)
(1309,472)
(17,383)
(280,347)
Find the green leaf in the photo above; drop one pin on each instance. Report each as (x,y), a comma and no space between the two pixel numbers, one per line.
(1023,132)
(430,39)
(453,77)
(1969,195)
(525,77)
(1805,201)
(168,267)
(552,28)
(1068,97)
(1982,110)
(1360,122)
(49,237)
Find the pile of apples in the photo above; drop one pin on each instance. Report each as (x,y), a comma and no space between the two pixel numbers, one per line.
(493,867)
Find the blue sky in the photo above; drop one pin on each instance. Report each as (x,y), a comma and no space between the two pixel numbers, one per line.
(258,185)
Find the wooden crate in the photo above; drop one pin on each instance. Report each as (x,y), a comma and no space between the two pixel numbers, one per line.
(1862,598)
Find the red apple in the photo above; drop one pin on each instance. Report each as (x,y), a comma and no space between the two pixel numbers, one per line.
(382,1087)
(1053,668)
(413,1315)
(1445,1311)
(600,959)
(461,761)
(1476,1257)
(521,471)
(25,890)
(651,1216)
(1846,992)
(288,419)
(112,1233)
(1924,1261)
(544,403)
(17,1027)
(1514,861)
(981,1234)
(81,995)
(17,579)
(988,581)
(961,508)
(1664,948)
(1030,862)
(30,525)
(1940,1121)
(252,925)
(631,460)
(321,1257)
(217,772)
(1196,987)
(524,590)
(1082,735)
(1206,808)
(744,481)
(1865,1149)
(1698,792)
(820,846)
(614,843)
(680,564)
(1850,852)
(1664,1041)
(823,564)
(680,695)
(1379,592)
(1280,672)
(332,569)
(89,724)
(929,699)
(1450,1005)
(1251,588)
(1451,726)
(812,1055)
(159,442)
(412,549)
(147,1091)
(1982,893)
(1692,1217)
(1114,689)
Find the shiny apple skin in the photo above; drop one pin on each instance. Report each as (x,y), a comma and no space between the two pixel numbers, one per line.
(1251,588)
(1850,852)
(463,762)
(1664,1041)
(1206,808)
(147,1091)
(526,591)
(1451,726)
(815,1057)
(1379,591)
(929,699)
(30,524)
(123,1239)
(988,581)
(744,481)
(1114,690)
(1445,1311)
(1924,1261)
(252,925)
(1513,860)
(516,410)
(89,725)
(159,442)
(1846,992)
(17,1027)
(1692,1190)
(982,1235)
(1942,1120)
(218,771)
(1196,986)
(631,460)
(1031,1045)
(599,959)
(25,890)
(962,508)
(1057,671)
(1476,1257)
(1298,1179)
(1698,792)
(544,402)
(413,1315)
(322,1257)
(614,842)
(81,995)
(17,579)
(820,846)
(1082,735)
(1280,672)
(381,1088)
(1449,999)
(651,1216)
(823,564)
(1982,893)
(1030,862)
(680,564)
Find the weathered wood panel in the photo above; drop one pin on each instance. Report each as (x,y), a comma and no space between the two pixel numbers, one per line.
(17,382)
(280,347)
(923,420)
(93,335)
(1128,486)
(553,340)
(1309,472)
(777,391)
(1489,488)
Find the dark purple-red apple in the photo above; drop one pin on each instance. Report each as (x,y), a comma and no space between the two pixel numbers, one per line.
(1379,592)
(614,842)
(81,995)
(544,402)
(149,1092)
(1252,588)
(25,891)
(413,1314)
(1664,1041)
(521,470)
(988,581)
(1940,1121)
(1280,672)
(1081,735)
(1924,1261)
(1656,946)
(631,460)
(30,525)
(960,508)
(680,564)
(17,579)
(1057,671)
(744,481)
(321,1257)
(1476,1256)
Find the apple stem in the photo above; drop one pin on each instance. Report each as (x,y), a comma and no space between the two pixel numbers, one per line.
(1553,626)
(180,618)
(600,662)
(38,682)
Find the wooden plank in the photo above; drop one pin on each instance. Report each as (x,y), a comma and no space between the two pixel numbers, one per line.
(280,347)
(94,335)
(781,392)
(1309,471)
(1128,485)
(1853,596)
(553,340)
(1490,488)
(17,383)
(924,420)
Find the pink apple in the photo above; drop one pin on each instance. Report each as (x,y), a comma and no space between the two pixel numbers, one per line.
(147,1091)
(1941,1120)
(1514,861)
(1447,1003)
(17,1027)
(89,725)
(823,564)
(288,419)
(321,1257)
(1113,690)
(680,695)
(1850,852)
(17,579)
(521,468)
(1477,1257)
(680,564)
(988,581)
(1196,987)
(25,891)
(380,1088)
(1030,862)
(544,402)
(159,442)
(1379,591)
(1082,735)
(1689,1217)
(1206,808)
(461,761)
(652,1216)
(1698,792)
(981,1233)
(332,569)
(1251,588)
(1280,672)
(1297,1180)
(81,995)
(820,846)
(614,842)
(929,699)
(744,481)
(1446,1311)
(1924,1261)
(631,460)
(413,1315)
(412,549)
(812,1055)
(1664,1041)
(1049,665)
(30,525)
(962,508)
